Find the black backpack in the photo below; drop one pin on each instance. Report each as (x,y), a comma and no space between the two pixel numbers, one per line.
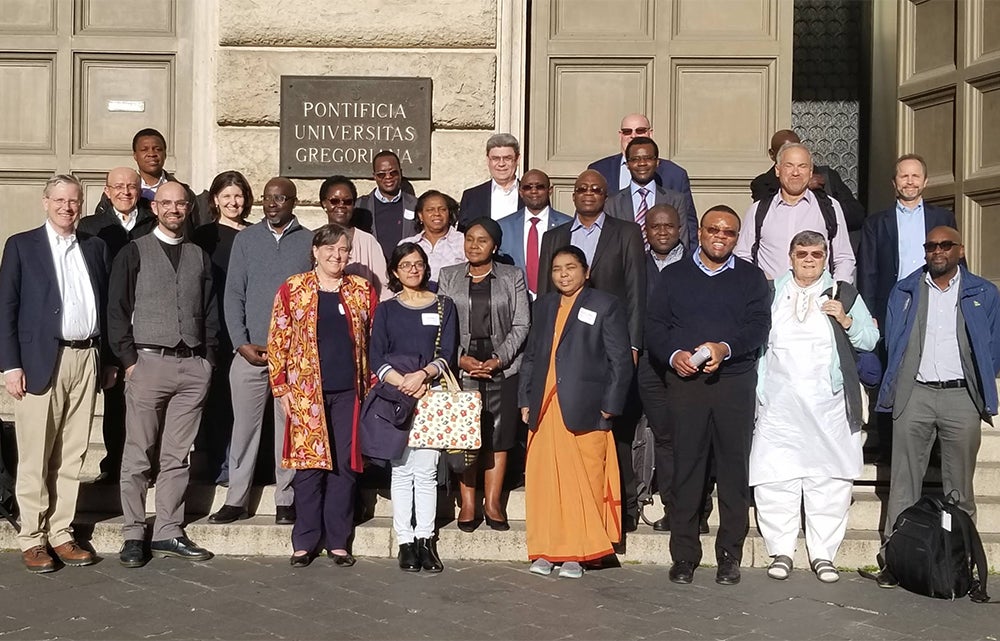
(825,208)
(8,466)
(644,465)
(935,550)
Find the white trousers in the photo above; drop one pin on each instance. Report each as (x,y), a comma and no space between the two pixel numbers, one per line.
(826,502)
(414,492)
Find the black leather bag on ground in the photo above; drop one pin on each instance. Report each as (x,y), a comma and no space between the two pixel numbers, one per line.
(8,468)
(935,550)
(644,466)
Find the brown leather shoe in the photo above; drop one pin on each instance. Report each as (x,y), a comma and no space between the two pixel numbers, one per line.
(37,560)
(71,553)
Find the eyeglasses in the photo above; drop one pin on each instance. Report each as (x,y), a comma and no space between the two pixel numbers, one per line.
(66,202)
(408,266)
(129,187)
(817,254)
(639,131)
(593,189)
(944,245)
(382,175)
(279,199)
(534,187)
(167,204)
(499,159)
(338,201)
(725,233)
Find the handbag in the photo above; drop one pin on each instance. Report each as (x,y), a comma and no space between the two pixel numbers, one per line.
(384,422)
(446,418)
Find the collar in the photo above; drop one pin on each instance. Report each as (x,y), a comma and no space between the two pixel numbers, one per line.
(131,215)
(903,209)
(599,223)
(951,282)
(55,238)
(542,215)
(166,239)
(650,187)
(672,256)
(494,187)
(143,185)
(291,224)
(808,197)
(729,264)
(382,199)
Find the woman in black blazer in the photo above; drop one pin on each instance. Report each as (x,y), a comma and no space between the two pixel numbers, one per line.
(574,378)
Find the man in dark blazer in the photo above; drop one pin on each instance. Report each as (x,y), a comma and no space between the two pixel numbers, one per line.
(518,239)
(121,216)
(388,211)
(53,296)
(617,266)
(669,174)
(886,257)
(823,177)
(642,192)
(498,196)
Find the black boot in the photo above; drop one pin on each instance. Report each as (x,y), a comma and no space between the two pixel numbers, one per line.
(429,558)
(409,557)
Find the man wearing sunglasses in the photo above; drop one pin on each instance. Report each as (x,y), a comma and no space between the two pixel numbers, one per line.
(943,337)
(264,255)
(388,211)
(669,175)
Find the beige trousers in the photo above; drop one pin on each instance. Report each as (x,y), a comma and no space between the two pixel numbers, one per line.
(53,429)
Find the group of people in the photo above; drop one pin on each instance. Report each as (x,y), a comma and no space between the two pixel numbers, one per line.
(737,338)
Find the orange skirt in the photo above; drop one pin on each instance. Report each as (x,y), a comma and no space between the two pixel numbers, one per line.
(572,491)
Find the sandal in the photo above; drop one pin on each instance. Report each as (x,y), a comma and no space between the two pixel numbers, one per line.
(780,567)
(825,571)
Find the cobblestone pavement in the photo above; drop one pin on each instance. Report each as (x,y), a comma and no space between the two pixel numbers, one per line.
(262,598)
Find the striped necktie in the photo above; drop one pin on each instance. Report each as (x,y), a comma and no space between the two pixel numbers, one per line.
(640,214)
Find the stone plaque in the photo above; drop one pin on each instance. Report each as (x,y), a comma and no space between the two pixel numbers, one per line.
(336,124)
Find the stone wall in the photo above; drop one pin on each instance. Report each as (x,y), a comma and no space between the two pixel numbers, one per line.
(453,42)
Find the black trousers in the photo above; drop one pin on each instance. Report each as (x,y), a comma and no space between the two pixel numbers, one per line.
(623,429)
(113,427)
(710,414)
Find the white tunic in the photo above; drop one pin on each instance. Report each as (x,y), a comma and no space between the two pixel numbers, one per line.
(801,429)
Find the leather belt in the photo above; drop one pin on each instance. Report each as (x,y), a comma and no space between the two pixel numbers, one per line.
(86,343)
(953,384)
(175,352)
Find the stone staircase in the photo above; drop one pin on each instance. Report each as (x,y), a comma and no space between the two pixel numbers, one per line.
(99,519)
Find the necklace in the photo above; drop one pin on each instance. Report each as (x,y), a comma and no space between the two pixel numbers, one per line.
(480,276)
(328,288)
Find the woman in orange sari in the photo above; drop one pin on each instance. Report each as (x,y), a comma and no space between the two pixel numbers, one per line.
(574,377)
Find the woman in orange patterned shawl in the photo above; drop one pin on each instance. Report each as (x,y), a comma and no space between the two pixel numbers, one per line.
(317,353)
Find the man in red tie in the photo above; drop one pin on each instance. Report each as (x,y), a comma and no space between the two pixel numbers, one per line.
(522,230)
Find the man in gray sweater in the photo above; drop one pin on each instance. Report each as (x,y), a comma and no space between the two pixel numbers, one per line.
(264,255)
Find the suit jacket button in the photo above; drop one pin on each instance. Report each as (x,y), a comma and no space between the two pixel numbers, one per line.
(56,311)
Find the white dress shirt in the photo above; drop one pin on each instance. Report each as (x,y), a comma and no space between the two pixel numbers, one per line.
(79,303)
(128,223)
(503,202)
(542,227)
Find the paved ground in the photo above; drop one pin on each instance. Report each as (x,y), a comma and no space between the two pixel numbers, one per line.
(262,598)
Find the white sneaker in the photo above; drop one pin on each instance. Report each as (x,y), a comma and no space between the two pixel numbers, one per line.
(541,567)
(571,570)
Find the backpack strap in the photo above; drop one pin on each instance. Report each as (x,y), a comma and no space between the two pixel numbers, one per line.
(977,558)
(763,206)
(829,220)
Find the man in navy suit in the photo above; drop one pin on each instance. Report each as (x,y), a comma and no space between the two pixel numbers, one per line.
(498,196)
(53,293)
(522,230)
(615,170)
(892,240)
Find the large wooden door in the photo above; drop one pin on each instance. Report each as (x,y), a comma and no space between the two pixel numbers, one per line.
(949,112)
(77,79)
(714,77)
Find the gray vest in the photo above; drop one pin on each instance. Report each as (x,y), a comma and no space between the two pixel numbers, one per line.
(168,302)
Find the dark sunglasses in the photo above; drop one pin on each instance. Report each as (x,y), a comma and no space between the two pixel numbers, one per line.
(340,201)
(725,233)
(817,254)
(639,131)
(944,245)
(382,175)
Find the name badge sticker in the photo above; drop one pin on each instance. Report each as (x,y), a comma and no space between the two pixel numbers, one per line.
(409,214)
(340,308)
(587,316)
(430,319)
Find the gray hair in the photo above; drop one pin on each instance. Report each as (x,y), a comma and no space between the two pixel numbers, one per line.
(807,238)
(503,140)
(61,179)
(793,145)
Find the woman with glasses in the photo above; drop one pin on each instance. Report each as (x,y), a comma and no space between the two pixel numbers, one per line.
(317,353)
(807,439)
(230,200)
(437,215)
(338,195)
(414,337)
(493,317)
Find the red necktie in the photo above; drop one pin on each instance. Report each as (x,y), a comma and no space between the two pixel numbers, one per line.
(531,259)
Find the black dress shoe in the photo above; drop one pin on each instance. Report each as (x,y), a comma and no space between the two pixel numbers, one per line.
(496,524)
(728,572)
(284,515)
(469,526)
(662,525)
(885,579)
(429,559)
(343,560)
(409,558)
(682,572)
(629,523)
(133,554)
(228,514)
(301,560)
(181,547)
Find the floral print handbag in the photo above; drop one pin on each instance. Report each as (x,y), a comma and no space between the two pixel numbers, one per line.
(447,418)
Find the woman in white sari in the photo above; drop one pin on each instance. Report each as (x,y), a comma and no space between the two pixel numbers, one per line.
(807,439)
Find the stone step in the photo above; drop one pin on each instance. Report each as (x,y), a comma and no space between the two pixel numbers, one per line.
(259,536)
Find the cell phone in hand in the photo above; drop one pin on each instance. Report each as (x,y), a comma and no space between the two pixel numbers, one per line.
(701,357)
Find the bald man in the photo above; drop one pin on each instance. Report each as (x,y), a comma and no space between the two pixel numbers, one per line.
(941,372)
(824,177)
(120,217)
